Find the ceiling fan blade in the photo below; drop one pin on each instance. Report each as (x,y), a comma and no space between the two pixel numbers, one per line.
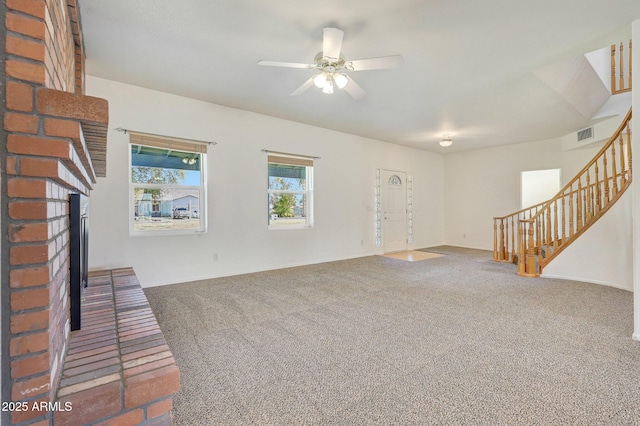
(384,62)
(305,86)
(285,64)
(332,42)
(354,89)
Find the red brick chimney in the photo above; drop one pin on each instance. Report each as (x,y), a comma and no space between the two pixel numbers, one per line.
(53,144)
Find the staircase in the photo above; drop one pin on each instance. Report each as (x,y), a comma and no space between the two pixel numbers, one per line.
(534,236)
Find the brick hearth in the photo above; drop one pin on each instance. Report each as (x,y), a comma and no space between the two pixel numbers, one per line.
(118,369)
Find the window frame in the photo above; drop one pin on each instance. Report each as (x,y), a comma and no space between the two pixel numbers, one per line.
(201,188)
(307,192)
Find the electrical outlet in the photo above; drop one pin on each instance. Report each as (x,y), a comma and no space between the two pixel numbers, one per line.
(215,257)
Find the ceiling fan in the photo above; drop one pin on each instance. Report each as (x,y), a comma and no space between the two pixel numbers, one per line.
(332,66)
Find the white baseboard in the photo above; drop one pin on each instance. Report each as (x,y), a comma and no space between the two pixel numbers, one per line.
(253,270)
(585,280)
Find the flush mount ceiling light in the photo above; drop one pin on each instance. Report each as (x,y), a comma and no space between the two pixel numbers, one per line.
(446,141)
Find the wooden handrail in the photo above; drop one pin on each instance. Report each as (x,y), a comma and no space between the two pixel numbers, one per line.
(577,206)
(618,82)
(523,210)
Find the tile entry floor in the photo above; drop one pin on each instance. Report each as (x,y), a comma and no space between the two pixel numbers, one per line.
(412,255)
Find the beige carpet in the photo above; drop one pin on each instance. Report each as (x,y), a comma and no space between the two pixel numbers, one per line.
(455,340)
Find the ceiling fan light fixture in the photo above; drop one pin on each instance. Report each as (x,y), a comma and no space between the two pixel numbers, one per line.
(328,87)
(330,62)
(445,142)
(341,80)
(320,80)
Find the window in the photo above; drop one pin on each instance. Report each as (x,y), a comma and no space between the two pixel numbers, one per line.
(167,185)
(290,191)
(395,180)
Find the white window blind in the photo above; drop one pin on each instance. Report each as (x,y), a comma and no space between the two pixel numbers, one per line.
(167,142)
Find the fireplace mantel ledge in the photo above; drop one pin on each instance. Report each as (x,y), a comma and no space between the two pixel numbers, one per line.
(93,116)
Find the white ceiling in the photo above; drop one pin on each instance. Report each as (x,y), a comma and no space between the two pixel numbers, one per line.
(469,66)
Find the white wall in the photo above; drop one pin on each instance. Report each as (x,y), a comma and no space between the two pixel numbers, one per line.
(237,202)
(603,254)
(538,186)
(635,147)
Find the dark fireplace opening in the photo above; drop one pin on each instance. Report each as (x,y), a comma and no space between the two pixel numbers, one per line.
(78,261)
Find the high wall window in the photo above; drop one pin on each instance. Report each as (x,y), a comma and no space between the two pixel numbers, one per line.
(167,186)
(290,191)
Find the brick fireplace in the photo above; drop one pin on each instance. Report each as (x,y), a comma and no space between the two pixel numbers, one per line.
(53,144)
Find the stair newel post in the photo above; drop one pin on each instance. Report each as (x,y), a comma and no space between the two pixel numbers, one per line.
(527,258)
(531,248)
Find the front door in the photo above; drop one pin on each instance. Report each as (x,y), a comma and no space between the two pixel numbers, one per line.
(394,211)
